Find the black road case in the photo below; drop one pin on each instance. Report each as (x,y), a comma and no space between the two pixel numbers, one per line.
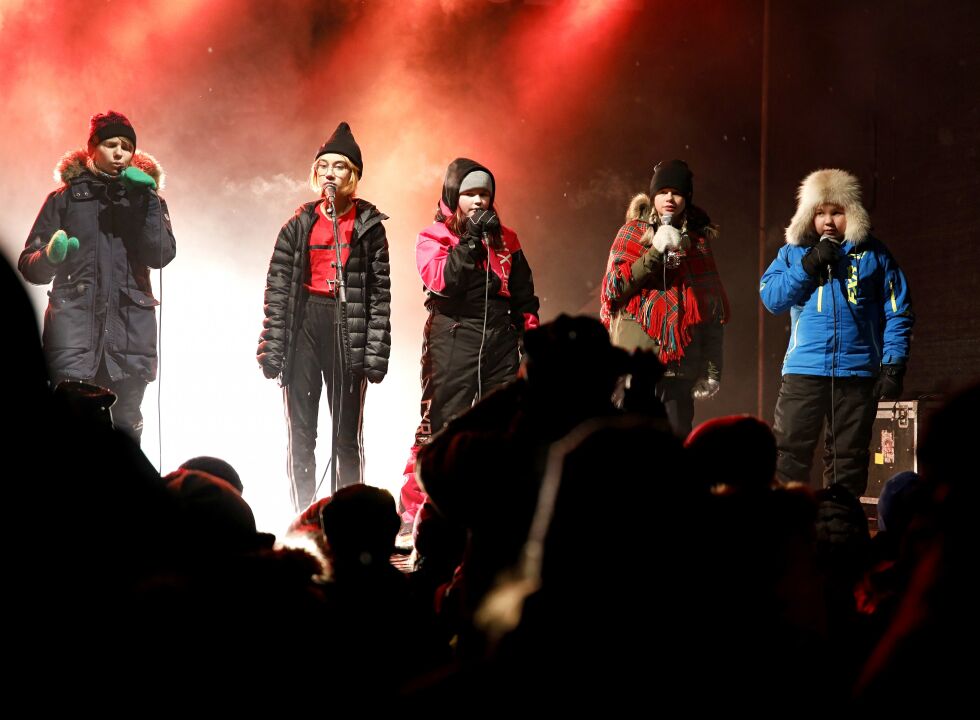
(894,441)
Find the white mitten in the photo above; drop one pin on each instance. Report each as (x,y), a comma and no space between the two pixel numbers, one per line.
(667,238)
(705,388)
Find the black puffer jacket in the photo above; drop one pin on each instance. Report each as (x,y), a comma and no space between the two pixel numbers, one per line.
(368,293)
(101,300)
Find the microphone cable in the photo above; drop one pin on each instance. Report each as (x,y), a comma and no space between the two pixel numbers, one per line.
(339,356)
(833,369)
(160,371)
(483,335)
(160,352)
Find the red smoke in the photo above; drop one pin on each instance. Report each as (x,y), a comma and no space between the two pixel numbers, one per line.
(234,98)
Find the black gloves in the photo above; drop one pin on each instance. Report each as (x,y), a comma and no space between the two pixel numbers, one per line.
(374,376)
(267,361)
(271,371)
(889,385)
(475,247)
(483,221)
(824,253)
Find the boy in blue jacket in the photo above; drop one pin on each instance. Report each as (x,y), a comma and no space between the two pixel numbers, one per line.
(851,318)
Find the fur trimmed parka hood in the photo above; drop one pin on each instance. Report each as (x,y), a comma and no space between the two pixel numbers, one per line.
(75,162)
(837,187)
(641,208)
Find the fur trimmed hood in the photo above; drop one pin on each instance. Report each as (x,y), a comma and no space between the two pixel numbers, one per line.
(75,162)
(641,209)
(837,187)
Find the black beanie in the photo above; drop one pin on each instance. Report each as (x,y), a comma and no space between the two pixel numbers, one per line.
(673,174)
(458,169)
(342,142)
(109,125)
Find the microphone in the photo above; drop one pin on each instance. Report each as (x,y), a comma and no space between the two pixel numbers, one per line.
(672,258)
(835,241)
(487,220)
(331,192)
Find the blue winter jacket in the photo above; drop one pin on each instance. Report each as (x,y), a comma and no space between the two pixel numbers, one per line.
(860,320)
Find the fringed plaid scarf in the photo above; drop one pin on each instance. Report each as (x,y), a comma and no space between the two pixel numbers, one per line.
(693,294)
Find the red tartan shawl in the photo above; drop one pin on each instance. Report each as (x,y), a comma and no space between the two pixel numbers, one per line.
(693,293)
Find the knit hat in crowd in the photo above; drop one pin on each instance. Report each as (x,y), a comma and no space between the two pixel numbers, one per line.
(221,469)
(897,501)
(673,174)
(110,124)
(214,516)
(342,143)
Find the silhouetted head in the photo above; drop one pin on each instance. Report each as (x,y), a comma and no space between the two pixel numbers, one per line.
(213,515)
(738,451)
(571,362)
(360,523)
(898,501)
(215,466)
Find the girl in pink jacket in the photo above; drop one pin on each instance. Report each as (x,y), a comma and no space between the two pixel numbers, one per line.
(480,300)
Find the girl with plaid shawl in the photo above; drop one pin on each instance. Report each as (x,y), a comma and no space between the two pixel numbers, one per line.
(662,292)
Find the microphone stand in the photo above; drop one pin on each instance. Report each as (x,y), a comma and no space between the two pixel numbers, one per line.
(343,337)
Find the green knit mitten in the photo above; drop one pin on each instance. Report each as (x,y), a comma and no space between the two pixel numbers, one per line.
(135,179)
(59,246)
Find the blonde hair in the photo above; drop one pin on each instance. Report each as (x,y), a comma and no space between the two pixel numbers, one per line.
(347,189)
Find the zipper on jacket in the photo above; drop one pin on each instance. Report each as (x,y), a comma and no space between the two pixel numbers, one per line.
(874,341)
(112,295)
(95,284)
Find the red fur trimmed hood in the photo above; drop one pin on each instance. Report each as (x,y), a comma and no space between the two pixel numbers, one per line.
(74,162)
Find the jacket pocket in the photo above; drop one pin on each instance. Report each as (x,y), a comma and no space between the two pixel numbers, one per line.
(68,318)
(138,334)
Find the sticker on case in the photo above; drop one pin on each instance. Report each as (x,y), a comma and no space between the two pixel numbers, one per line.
(888,447)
